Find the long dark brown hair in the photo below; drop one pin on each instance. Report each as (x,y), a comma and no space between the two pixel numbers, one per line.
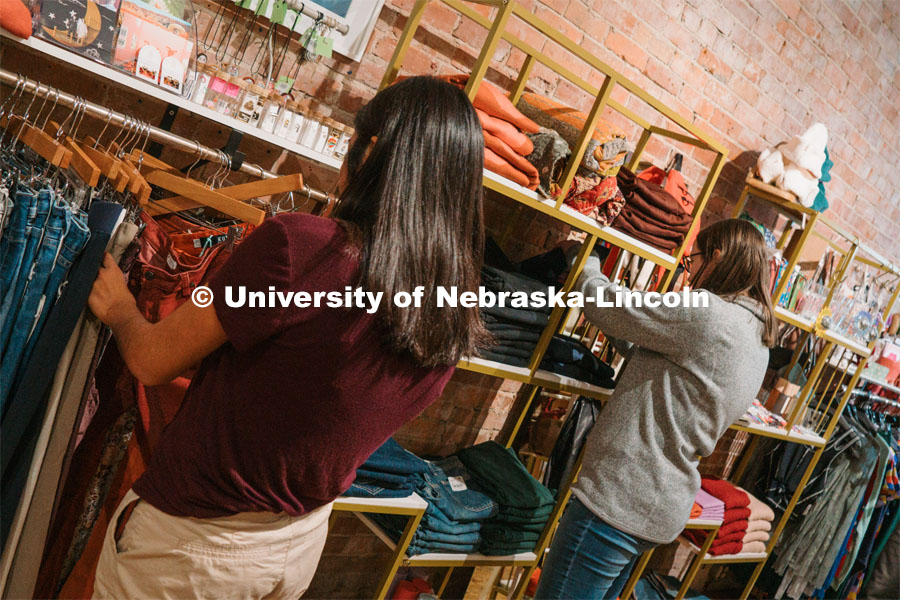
(742,268)
(417,202)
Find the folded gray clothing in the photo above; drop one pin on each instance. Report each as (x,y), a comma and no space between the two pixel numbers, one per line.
(521,316)
(514,334)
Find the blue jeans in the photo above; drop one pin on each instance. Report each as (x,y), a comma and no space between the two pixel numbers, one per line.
(37,220)
(12,248)
(76,237)
(391,457)
(30,306)
(451,492)
(588,558)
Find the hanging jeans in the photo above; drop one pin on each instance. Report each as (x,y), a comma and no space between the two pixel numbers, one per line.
(36,228)
(34,301)
(12,250)
(22,422)
(588,558)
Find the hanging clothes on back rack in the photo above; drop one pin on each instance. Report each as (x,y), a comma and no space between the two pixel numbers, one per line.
(78,428)
(828,544)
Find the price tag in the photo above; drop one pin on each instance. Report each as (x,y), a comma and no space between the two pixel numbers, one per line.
(279,11)
(284,84)
(457,484)
(324,46)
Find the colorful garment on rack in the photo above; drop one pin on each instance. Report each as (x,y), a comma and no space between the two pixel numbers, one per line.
(162,278)
(597,197)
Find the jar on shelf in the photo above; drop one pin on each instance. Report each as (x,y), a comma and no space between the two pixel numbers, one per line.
(302,123)
(283,122)
(227,101)
(217,89)
(344,143)
(271,111)
(335,131)
(322,135)
(205,75)
(310,135)
(251,104)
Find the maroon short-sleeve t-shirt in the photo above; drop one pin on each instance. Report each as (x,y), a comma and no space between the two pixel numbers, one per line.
(279,418)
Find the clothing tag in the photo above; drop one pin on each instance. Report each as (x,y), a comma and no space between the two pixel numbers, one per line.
(284,85)
(279,10)
(457,484)
(324,46)
(209,241)
(170,260)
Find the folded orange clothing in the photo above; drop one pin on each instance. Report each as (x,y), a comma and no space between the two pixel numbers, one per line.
(493,162)
(495,103)
(503,150)
(696,511)
(507,132)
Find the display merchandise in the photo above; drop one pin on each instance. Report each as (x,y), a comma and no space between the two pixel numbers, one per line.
(616,406)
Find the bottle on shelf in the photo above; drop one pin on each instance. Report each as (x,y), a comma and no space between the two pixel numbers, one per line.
(251,104)
(205,75)
(287,115)
(335,131)
(344,143)
(271,112)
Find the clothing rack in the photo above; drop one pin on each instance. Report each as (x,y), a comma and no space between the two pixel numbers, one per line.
(154,133)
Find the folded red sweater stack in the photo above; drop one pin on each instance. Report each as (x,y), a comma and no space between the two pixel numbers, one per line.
(505,144)
(746,525)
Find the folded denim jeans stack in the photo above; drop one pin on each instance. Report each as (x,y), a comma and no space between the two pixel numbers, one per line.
(390,472)
(457,508)
(525,504)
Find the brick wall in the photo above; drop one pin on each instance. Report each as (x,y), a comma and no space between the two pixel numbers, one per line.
(750,72)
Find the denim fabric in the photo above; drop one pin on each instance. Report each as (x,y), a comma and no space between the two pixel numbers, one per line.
(499,536)
(31,303)
(365,489)
(382,478)
(394,525)
(27,403)
(12,250)
(13,299)
(588,558)
(505,549)
(6,206)
(75,239)
(458,505)
(429,547)
(504,478)
(511,353)
(391,457)
(437,522)
(534,526)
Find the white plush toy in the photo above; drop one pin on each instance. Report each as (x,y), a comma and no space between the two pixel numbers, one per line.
(796,165)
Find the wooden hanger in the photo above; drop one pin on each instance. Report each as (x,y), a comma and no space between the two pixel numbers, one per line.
(137,184)
(243,191)
(196,191)
(109,165)
(86,168)
(44,145)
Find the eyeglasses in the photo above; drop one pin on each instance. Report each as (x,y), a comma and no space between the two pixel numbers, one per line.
(689,260)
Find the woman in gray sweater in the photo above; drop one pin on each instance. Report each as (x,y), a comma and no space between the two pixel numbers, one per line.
(691,373)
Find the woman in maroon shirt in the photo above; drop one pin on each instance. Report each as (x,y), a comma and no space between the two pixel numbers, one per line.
(289,401)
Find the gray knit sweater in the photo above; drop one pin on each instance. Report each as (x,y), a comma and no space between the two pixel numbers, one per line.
(692,372)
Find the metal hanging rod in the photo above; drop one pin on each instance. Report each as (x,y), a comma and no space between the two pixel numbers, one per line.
(317,15)
(155,133)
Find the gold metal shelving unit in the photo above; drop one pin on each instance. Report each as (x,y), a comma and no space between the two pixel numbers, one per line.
(499,28)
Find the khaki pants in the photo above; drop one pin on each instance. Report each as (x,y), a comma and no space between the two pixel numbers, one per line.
(247,555)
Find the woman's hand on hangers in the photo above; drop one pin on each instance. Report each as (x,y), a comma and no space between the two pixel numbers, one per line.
(110,299)
(155,353)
